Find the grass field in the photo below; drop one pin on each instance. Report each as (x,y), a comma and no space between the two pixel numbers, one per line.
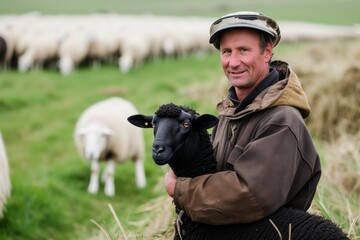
(325,11)
(38,111)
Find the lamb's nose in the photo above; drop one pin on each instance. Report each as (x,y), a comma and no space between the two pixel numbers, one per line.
(157,149)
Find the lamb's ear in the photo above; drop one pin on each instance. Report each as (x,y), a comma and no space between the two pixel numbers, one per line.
(205,121)
(140,120)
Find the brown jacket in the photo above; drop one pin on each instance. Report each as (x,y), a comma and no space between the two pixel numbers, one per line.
(266,159)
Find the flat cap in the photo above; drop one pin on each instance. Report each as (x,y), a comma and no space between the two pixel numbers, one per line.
(252,20)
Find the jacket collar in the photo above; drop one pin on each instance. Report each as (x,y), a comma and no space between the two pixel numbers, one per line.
(286,90)
(270,79)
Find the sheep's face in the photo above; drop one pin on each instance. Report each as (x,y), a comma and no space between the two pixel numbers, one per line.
(94,141)
(171,131)
(169,136)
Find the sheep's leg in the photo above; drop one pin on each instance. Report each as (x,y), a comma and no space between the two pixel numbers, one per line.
(94,179)
(109,178)
(140,173)
(126,63)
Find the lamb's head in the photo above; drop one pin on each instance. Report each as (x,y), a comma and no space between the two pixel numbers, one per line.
(94,139)
(172,126)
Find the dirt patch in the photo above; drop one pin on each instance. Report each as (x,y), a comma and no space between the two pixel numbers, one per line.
(113,91)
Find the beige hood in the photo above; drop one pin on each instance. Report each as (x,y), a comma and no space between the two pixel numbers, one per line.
(288,91)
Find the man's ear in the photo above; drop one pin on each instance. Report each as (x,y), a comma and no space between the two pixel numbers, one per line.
(268,52)
(140,120)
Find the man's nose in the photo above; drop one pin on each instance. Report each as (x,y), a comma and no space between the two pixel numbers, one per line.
(235,61)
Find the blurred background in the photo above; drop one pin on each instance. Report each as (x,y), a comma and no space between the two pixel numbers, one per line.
(59,57)
(334,11)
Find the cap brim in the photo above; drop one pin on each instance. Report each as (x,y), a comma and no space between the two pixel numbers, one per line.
(237,25)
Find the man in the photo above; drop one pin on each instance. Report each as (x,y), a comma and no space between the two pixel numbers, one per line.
(266,157)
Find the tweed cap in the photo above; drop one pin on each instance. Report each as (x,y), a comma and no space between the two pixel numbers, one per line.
(253,20)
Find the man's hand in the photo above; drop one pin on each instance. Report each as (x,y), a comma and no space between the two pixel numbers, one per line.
(169,182)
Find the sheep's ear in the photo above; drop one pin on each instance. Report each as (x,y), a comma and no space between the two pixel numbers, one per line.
(107,131)
(141,121)
(205,121)
(80,132)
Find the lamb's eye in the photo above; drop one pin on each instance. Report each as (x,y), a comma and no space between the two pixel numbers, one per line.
(153,125)
(185,125)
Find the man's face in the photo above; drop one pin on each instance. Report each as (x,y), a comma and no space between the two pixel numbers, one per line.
(243,62)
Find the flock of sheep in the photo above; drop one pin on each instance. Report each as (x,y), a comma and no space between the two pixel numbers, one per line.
(34,40)
(65,41)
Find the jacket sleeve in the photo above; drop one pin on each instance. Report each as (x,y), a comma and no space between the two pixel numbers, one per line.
(264,172)
(217,199)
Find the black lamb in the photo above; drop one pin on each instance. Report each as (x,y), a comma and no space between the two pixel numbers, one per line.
(182,141)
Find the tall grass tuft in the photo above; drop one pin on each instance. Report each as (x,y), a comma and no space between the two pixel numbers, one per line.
(338,194)
(156,222)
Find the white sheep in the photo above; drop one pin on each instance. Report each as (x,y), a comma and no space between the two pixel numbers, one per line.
(5,184)
(102,133)
(42,47)
(104,43)
(135,48)
(73,50)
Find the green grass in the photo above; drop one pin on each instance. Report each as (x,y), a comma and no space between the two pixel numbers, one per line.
(49,180)
(325,11)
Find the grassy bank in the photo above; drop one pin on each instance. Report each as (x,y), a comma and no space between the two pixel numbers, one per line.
(38,113)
